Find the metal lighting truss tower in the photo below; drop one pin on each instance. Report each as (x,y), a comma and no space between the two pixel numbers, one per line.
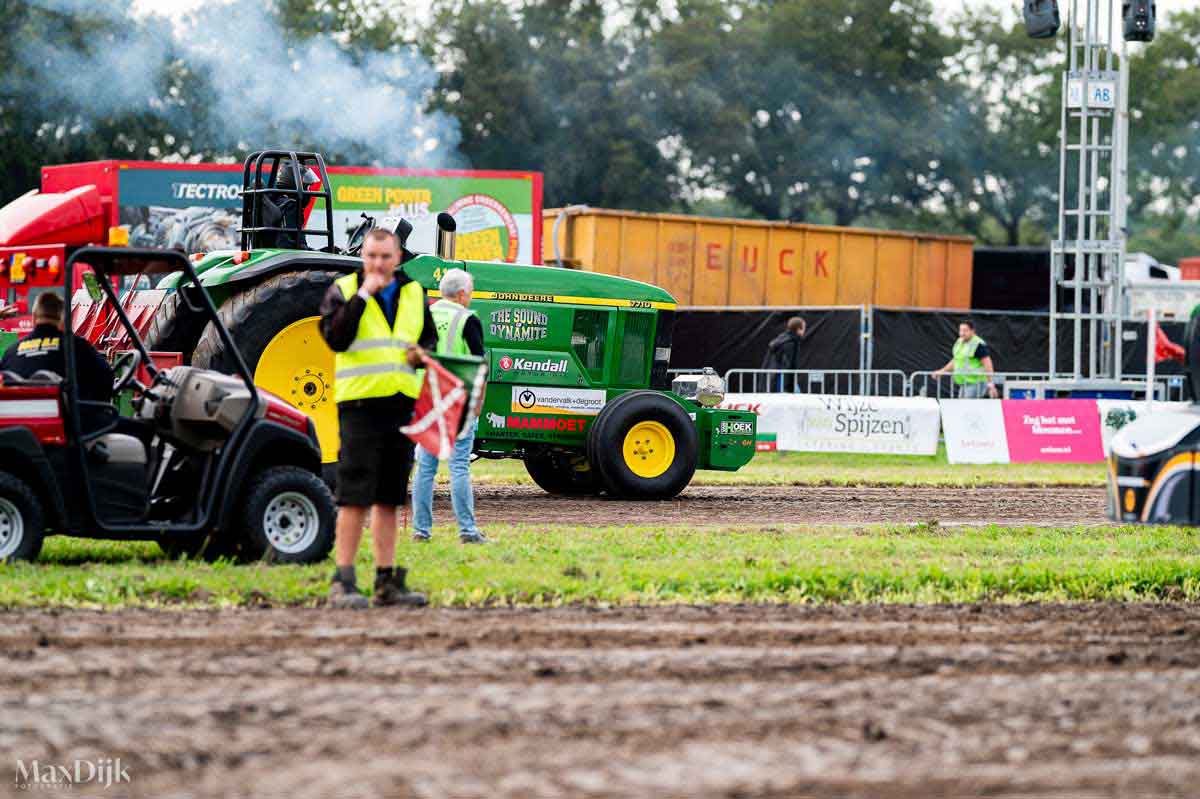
(1093,147)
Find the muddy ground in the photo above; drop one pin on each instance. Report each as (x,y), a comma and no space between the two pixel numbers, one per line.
(796,505)
(734,701)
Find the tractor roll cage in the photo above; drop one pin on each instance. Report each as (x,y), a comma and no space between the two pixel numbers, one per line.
(252,186)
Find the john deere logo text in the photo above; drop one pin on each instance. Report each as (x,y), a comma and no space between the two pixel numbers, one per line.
(518,324)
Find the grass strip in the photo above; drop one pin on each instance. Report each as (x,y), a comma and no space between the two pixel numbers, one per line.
(553,565)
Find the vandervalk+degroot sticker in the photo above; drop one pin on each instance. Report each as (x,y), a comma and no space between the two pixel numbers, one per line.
(550,400)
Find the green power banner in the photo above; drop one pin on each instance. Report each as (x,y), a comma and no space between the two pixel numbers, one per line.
(197,207)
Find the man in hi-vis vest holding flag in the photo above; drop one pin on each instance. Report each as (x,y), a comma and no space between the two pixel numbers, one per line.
(971,363)
(459,333)
(376,321)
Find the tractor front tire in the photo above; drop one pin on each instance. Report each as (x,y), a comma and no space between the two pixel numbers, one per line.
(22,523)
(643,445)
(563,473)
(287,516)
(274,326)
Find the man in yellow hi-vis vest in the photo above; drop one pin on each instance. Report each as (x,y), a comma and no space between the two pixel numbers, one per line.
(377,322)
(971,363)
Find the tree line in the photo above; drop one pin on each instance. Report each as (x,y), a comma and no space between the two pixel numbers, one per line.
(851,112)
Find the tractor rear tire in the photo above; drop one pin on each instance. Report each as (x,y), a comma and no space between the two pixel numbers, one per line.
(287,516)
(562,473)
(22,522)
(643,445)
(174,328)
(278,319)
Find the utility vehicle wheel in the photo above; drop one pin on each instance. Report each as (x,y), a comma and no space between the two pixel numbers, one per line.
(274,327)
(210,547)
(557,472)
(174,329)
(22,524)
(287,516)
(643,445)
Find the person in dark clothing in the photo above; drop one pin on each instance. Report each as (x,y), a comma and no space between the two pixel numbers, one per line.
(378,323)
(42,350)
(784,353)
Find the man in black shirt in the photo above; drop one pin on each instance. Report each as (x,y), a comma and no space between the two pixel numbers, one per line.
(783,353)
(42,350)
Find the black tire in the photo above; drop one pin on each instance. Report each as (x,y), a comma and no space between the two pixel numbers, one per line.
(287,515)
(593,434)
(607,438)
(561,472)
(174,328)
(22,522)
(254,315)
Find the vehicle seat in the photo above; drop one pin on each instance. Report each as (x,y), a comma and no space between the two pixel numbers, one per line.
(117,448)
(39,378)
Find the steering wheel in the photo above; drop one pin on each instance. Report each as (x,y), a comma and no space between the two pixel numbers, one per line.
(125,369)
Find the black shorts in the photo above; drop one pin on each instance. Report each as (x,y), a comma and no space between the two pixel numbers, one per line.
(375,458)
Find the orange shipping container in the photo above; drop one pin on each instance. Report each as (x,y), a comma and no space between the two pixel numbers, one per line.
(709,261)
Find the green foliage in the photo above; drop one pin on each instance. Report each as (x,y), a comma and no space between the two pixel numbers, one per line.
(868,112)
(648,564)
(540,86)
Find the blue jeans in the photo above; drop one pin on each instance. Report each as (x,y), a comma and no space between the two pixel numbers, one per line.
(461,495)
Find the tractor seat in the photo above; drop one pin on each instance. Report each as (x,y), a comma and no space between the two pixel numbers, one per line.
(117,448)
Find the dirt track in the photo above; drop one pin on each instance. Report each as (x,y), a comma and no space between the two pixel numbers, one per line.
(1098,700)
(799,505)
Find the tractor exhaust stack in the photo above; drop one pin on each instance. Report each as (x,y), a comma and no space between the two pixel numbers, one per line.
(445,236)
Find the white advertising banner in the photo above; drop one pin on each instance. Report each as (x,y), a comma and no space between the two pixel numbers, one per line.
(1115,414)
(824,423)
(974,430)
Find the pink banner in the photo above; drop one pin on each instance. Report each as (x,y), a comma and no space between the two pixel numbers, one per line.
(1050,431)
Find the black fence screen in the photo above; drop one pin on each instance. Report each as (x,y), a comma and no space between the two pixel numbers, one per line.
(728,340)
(908,340)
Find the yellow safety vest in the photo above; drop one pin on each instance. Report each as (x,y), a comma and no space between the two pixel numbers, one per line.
(374,365)
(967,368)
(450,318)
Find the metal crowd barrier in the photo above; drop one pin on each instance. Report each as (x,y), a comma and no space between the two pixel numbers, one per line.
(893,382)
(841,382)
(928,384)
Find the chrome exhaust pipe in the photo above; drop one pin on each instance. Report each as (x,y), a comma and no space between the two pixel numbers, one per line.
(445,236)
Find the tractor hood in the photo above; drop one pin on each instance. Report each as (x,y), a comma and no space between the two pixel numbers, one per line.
(74,217)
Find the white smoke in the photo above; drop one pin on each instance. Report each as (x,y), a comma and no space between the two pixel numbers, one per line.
(265,91)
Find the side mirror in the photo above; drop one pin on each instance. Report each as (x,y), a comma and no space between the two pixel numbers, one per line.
(92,284)
(1041,18)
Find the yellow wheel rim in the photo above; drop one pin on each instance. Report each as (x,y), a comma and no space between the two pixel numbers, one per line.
(297,366)
(649,449)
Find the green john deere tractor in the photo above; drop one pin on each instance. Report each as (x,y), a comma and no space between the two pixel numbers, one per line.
(577,385)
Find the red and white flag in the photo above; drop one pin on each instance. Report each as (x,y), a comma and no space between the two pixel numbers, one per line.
(440,408)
